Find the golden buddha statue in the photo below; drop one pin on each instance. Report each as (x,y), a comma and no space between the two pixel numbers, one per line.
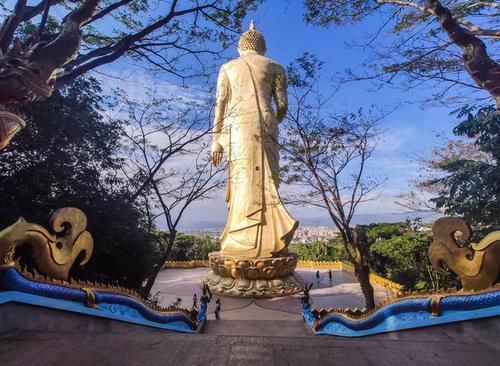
(258,229)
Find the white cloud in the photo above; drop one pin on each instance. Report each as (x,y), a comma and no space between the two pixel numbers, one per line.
(136,84)
(394,139)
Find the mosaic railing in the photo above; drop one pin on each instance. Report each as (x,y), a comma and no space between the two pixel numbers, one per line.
(96,299)
(53,252)
(405,312)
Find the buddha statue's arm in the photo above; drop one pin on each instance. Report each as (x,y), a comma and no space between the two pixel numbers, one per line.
(280,93)
(222,97)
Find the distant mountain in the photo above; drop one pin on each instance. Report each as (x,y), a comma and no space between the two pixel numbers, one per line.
(205,224)
(360,219)
(365,219)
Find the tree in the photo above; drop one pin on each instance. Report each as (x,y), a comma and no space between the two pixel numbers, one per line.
(69,157)
(158,35)
(94,33)
(398,251)
(168,163)
(191,247)
(182,41)
(427,35)
(331,250)
(326,156)
(464,176)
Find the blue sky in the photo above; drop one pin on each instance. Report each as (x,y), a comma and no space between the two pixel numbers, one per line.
(408,132)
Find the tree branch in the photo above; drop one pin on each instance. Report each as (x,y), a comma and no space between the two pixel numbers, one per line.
(33,11)
(10,25)
(107,10)
(107,54)
(472,28)
(483,70)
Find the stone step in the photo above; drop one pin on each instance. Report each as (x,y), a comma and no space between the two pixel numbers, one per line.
(276,328)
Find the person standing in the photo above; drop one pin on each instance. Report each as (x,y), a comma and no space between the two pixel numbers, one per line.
(195,300)
(330,275)
(317,276)
(217,309)
(206,295)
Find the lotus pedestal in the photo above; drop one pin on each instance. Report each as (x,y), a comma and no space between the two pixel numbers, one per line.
(253,277)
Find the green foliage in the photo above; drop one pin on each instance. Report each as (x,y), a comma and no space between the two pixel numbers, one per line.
(180,38)
(399,253)
(483,125)
(396,251)
(407,45)
(469,185)
(191,247)
(385,231)
(304,71)
(67,156)
(331,250)
(402,258)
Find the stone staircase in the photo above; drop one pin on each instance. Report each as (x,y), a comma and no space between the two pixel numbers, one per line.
(253,328)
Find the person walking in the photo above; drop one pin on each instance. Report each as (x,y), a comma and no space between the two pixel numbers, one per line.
(330,275)
(217,309)
(195,300)
(317,277)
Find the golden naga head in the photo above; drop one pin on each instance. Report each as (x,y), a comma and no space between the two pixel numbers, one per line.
(252,40)
(477,267)
(54,251)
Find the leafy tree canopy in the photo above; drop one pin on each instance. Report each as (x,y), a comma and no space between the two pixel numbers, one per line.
(398,251)
(179,38)
(448,43)
(469,184)
(68,156)
(192,247)
(331,250)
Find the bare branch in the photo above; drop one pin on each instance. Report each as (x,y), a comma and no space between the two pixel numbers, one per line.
(102,13)
(110,53)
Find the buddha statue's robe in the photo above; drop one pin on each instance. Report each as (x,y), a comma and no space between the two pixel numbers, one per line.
(246,126)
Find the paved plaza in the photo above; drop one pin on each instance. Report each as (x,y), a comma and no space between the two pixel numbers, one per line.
(343,291)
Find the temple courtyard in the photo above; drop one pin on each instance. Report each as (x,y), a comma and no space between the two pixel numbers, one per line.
(343,291)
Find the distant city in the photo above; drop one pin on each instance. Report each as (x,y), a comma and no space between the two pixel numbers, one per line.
(303,235)
(316,228)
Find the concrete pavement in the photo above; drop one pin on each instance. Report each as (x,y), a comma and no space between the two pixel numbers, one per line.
(468,343)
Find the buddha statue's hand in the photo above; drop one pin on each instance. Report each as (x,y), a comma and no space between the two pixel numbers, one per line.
(217,151)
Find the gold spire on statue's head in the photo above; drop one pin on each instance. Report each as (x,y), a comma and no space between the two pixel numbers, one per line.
(252,39)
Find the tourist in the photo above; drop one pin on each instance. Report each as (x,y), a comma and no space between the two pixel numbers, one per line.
(330,275)
(195,300)
(317,276)
(206,295)
(217,309)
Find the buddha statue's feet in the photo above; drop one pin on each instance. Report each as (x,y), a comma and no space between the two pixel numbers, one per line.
(253,277)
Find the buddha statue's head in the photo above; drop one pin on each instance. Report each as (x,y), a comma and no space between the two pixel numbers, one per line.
(252,40)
